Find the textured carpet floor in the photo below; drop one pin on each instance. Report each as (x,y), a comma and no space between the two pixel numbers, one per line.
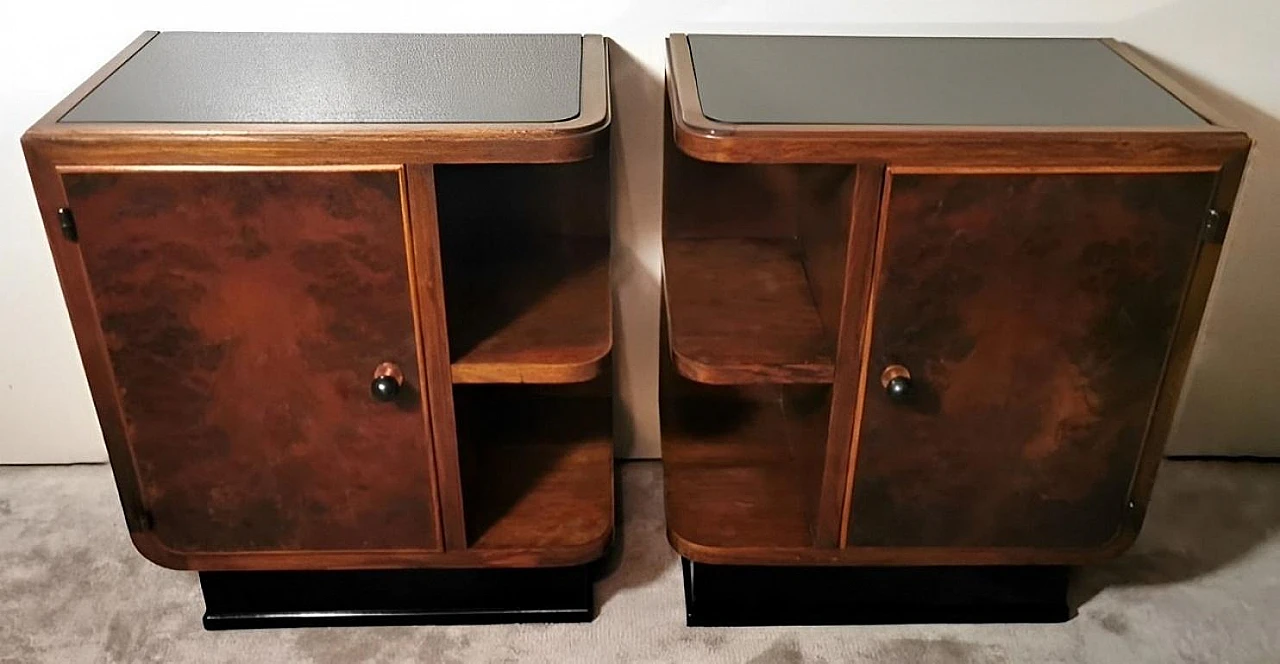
(1201,585)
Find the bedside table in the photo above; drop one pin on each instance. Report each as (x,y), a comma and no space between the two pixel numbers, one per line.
(928,304)
(321,285)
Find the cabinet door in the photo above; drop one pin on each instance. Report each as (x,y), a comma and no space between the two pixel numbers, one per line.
(244,314)
(1033,314)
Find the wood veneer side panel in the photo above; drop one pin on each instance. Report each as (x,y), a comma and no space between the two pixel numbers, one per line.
(863,213)
(429,281)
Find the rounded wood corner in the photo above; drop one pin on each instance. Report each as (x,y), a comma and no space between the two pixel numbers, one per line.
(589,369)
(572,372)
(577,138)
(32,139)
(699,137)
(151,548)
(695,370)
(565,373)
(594,365)
(584,553)
(578,135)
(1120,542)
(597,547)
(709,554)
(691,550)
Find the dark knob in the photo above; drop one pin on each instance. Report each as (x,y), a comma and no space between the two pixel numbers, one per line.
(896,381)
(387,380)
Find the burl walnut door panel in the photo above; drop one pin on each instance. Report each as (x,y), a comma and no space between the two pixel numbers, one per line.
(1034,313)
(244,313)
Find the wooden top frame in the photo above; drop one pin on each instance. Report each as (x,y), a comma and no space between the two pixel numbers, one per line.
(908,146)
(284,144)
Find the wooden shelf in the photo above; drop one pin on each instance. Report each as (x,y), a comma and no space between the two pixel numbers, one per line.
(539,469)
(533,310)
(742,470)
(740,311)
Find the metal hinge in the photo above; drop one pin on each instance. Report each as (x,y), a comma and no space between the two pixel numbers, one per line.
(1214,230)
(67,222)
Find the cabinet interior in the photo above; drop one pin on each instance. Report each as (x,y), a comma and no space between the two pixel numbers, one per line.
(537,463)
(754,276)
(743,463)
(525,251)
(755,265)
(525,257)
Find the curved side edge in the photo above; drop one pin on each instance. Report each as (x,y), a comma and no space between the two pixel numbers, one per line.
(1124,538)
(695,134)
(571,555)
(580,133)
(595,548)
(536,374)
(704,139)
(576,371)
(154,550)
(718,555)
(577,137)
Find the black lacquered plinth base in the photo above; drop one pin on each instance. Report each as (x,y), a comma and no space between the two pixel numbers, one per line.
(742,596)
(251,600)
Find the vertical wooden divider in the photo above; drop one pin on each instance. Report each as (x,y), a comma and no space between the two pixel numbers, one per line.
(868,180)
(429,282)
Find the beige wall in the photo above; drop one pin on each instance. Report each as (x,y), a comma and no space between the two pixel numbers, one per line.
(1231,51)
(45,412)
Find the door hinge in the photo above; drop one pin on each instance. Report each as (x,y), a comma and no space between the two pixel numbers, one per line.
(67,222)
(1214,230)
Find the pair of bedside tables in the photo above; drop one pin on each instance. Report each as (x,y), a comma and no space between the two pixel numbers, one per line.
(343,303)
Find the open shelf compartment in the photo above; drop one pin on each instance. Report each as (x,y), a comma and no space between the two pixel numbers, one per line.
(741,311)
(525,253)
(537,465)
(743,464)
(754,269)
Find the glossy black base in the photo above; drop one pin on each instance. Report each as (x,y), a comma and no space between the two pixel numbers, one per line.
(252,600)
(747,596)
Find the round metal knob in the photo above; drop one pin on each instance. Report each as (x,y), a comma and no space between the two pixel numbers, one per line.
(896,381)
(387,381)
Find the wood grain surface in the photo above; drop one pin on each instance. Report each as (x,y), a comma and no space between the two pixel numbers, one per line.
(244,314)
(1035,313)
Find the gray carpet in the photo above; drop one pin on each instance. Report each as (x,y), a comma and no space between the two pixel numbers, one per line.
(1201,585)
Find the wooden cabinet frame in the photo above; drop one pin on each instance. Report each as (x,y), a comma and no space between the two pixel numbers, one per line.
(414,151)
(714,514)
